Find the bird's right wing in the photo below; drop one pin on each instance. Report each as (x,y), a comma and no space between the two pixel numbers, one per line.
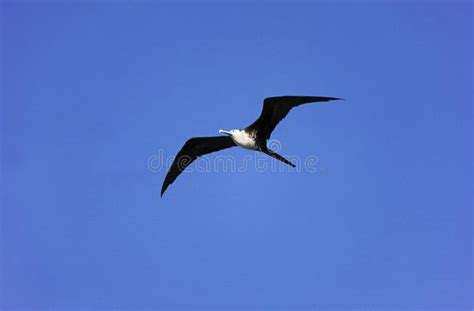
(276,108)
(192,149)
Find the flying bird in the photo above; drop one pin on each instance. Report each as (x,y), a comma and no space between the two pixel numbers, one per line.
(253,137)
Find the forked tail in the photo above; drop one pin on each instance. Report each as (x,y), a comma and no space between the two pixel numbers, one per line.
(279,157)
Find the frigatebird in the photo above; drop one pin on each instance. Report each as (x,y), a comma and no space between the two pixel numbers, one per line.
(253,137)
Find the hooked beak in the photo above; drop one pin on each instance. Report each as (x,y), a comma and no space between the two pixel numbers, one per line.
(225,132)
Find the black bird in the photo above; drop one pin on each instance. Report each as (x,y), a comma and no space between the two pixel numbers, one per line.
(253,137)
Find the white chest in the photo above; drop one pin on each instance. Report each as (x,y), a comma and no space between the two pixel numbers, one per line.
(244,140)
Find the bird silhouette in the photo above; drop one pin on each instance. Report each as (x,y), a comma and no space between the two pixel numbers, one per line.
(253,137)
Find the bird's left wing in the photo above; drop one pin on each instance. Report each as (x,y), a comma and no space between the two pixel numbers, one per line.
(192,149)
(276,108)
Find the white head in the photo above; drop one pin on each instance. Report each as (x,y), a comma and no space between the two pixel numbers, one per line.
(230,132)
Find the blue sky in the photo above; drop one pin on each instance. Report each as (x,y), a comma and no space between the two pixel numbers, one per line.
(92,91)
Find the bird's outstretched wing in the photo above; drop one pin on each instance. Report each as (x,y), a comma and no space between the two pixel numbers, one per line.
(276,108)
(192,149)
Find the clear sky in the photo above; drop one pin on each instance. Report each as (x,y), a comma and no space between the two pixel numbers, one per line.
(92,91)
